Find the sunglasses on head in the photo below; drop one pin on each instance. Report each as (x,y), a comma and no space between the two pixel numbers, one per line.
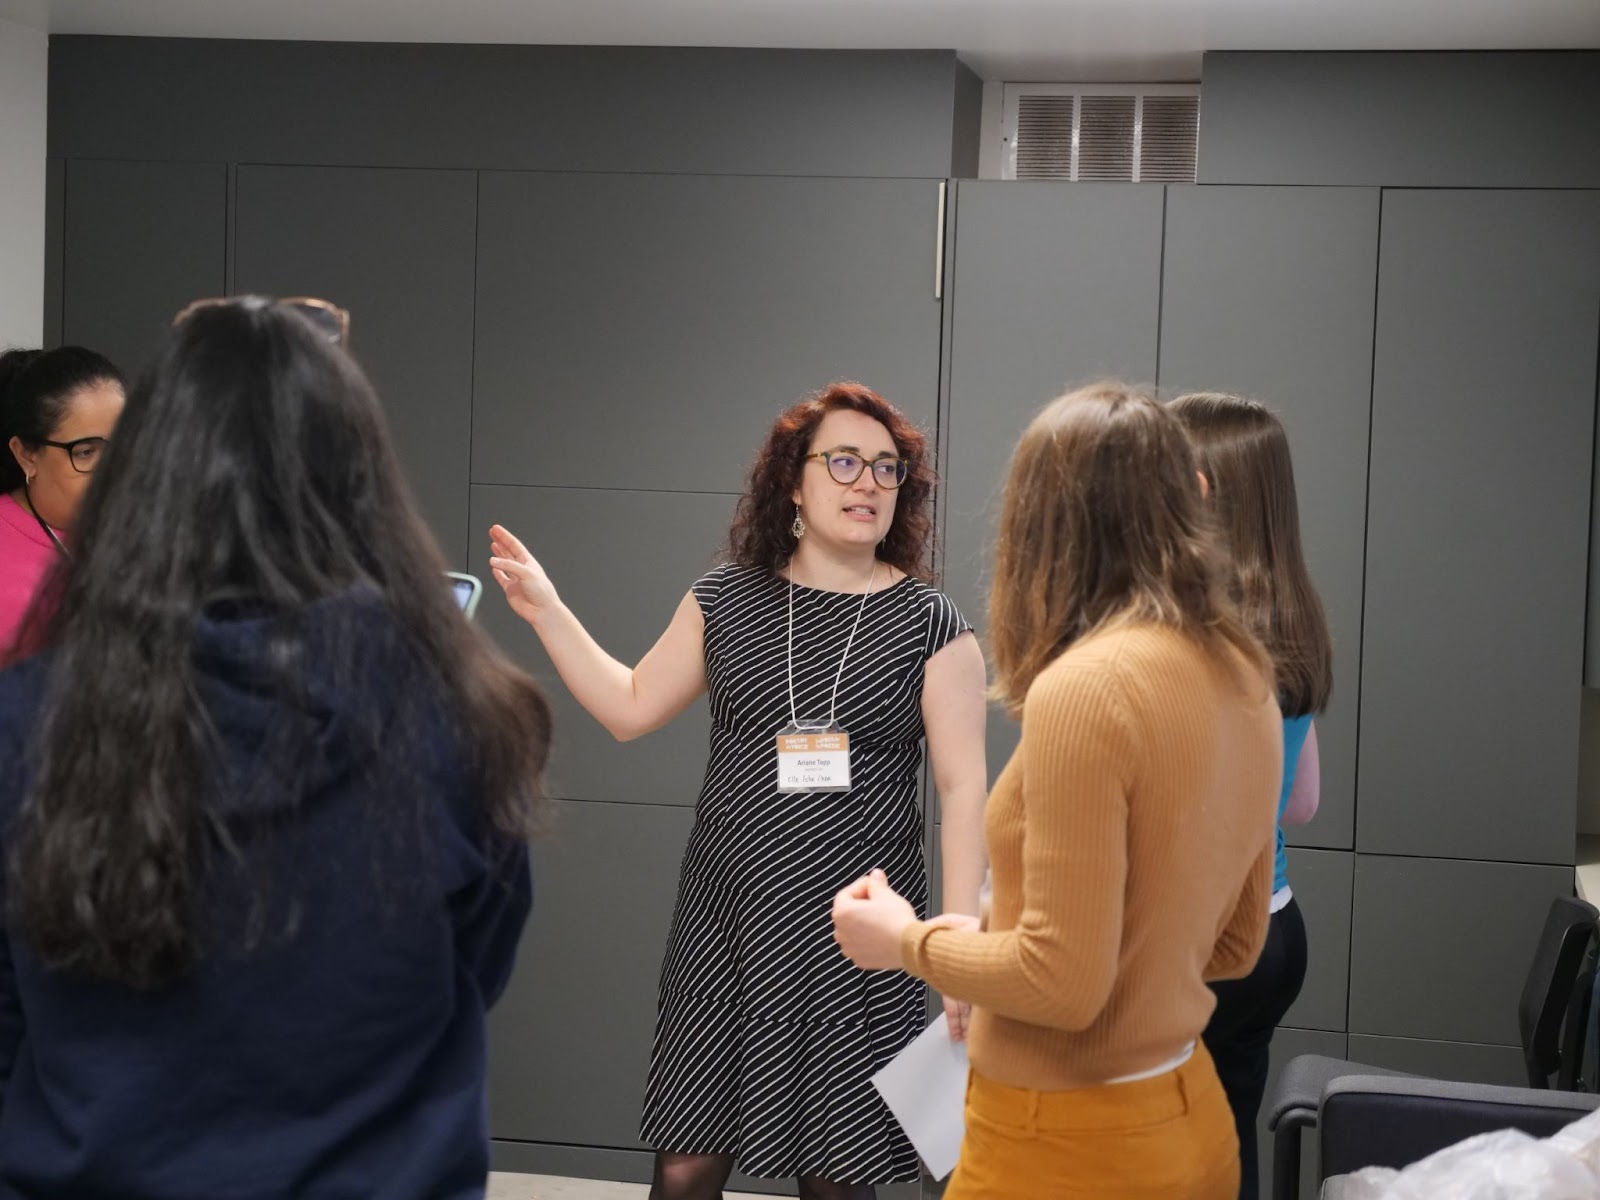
(329,320)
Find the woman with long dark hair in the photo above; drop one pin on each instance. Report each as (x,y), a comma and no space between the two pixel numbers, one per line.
(827,658)
(1244,456)
(57,408)
(1131,831)
(264,795)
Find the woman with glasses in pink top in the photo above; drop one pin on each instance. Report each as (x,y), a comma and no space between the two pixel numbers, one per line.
(57,408)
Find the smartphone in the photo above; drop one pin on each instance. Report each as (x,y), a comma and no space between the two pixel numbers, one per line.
(467,589)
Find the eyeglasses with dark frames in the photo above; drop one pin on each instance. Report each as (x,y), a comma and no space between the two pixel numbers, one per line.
(83,452)
(328,319)
(846,466)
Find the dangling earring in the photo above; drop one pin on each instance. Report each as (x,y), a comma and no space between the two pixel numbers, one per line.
(799,526)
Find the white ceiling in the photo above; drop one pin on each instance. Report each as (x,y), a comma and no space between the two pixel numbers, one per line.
(1021,40)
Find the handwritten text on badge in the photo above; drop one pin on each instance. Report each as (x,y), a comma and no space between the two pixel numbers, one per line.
(814,762)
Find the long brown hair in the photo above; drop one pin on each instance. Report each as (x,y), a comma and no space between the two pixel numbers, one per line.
(761,536)
(1244,455)
(1102,523)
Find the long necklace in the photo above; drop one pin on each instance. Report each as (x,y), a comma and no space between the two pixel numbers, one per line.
(833,703)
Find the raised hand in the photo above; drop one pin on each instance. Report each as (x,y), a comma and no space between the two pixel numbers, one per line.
(528,589)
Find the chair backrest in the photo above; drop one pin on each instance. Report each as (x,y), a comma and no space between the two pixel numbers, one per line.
(1387,1121)
(1579,1050)
(1547,993)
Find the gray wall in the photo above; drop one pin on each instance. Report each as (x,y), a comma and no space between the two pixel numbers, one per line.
(546,108)
(1512,120)
(367,235)
(583,299)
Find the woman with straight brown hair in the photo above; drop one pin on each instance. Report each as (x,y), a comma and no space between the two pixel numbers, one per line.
(1244,457)
(1131,832)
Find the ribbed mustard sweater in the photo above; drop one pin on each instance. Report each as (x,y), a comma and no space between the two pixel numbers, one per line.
(1131,838)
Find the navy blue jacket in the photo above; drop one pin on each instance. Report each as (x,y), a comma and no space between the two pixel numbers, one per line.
(342,1057)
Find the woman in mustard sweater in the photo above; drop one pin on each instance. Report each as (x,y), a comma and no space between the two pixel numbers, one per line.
(1131,834)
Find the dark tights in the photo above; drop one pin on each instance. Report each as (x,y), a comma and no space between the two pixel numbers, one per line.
(703,1176)
(812,1188)
(690,1176)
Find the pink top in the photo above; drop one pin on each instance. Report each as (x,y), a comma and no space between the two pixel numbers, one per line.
(26,554)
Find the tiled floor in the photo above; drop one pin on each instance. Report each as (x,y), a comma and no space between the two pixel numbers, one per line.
(548,1187)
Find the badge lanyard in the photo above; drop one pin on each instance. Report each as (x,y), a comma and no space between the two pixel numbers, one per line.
(43,524)
(815,756)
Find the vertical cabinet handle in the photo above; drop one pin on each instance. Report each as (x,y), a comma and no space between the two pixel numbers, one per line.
(938,248)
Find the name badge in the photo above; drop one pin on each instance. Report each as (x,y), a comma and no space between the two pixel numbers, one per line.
(813,759)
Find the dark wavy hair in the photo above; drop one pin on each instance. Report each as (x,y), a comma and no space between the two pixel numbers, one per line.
(252,470)
(35,386)
(761,535)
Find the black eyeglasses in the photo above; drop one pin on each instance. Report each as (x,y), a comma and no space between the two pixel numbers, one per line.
(846,466)
(83,453)
(331,321)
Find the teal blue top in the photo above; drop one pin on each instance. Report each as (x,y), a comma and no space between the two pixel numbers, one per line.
(1295,730)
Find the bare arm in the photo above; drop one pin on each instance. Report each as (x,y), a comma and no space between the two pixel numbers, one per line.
(953,713)
(629,702)
(1307,790)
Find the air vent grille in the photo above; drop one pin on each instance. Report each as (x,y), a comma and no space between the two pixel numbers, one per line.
(1120,135)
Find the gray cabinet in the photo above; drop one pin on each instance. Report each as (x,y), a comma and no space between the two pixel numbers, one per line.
(141,240)
(622,561)
(642,331)
(569,1042)
(1051,286)
(1269,292)
(395,248)
(1440,947)
(1477,539)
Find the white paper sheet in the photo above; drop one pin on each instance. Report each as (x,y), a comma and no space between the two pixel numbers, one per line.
(926,1089)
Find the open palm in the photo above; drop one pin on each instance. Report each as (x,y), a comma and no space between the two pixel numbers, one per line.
(528,589)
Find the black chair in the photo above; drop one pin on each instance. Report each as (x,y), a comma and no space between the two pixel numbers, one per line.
(1394,1121)
(1544,1015)
(1552,990)
(1579,1069)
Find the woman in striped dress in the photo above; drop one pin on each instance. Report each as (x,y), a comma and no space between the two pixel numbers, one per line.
(766,1038)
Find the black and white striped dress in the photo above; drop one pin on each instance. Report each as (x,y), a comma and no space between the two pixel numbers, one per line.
(766,1036)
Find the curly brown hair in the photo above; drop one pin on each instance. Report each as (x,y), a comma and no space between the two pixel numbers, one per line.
(761,537)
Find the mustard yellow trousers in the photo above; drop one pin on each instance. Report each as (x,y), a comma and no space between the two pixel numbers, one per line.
(1166,1138)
